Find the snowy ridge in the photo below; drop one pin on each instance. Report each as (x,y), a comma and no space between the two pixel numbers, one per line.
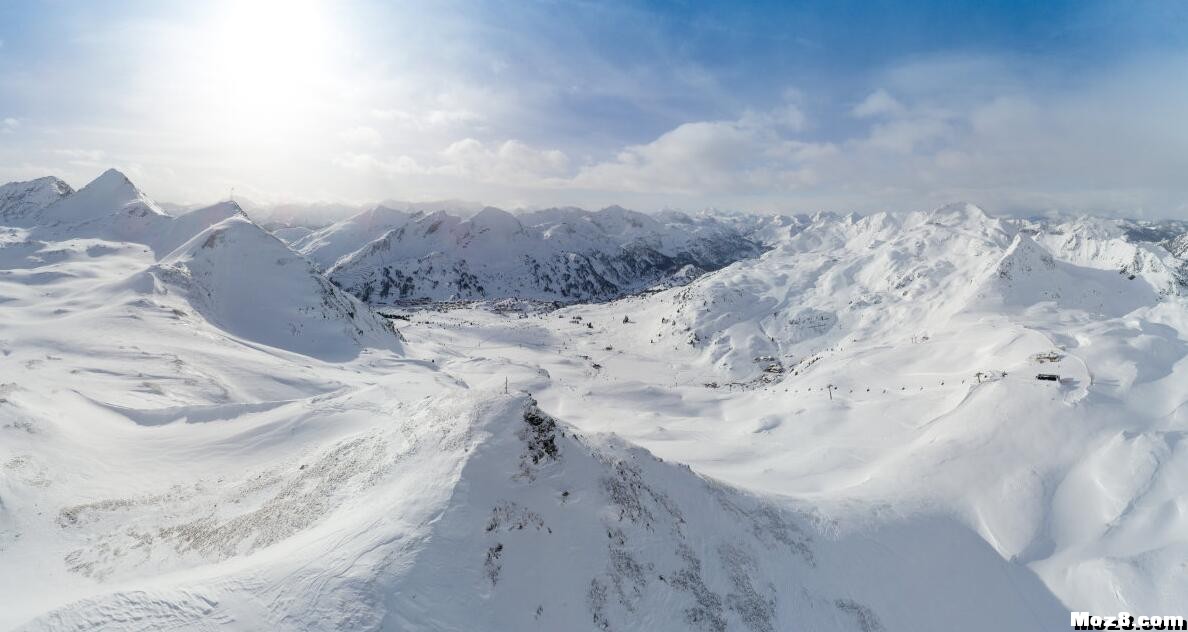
(893,359)
(464,512)
(846,432)
(235,264)
(327,245)
(836,278)
(185,227)
(290,234)
(1028,274)
(556,254)
(891,275)
(110,206)
(21,201)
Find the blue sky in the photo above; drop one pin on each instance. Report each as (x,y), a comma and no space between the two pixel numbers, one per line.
(785,106)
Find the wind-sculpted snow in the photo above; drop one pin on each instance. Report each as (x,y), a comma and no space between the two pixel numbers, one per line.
(557,254)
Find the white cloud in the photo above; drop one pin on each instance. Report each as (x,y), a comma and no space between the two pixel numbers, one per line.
(1093,146)
(9,125)
(785,117)
(85,157)
(754,151)
(878,103)
(906,135)
(451,117)
(428,119)
(367,163)
(510,162)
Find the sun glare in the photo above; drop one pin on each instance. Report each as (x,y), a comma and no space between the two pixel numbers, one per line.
(275,58)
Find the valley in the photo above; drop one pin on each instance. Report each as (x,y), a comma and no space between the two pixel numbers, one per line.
(834,423)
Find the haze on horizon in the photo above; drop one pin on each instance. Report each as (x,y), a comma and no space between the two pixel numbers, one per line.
(758,105)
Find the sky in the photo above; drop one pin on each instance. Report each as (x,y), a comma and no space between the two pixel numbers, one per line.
(787,106)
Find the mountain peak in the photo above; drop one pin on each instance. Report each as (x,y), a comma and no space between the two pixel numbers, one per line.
(235,262)
(109,193)
(21,200)
(112,175)
(957,212)
(491,218)
(1024,255)
(114,185)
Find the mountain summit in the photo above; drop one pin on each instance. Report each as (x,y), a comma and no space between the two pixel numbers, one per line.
(250,284)
(20,201)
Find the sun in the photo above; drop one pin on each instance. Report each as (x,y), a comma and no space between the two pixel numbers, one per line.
(274,57)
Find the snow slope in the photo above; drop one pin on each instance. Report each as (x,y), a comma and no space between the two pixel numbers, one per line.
(109,207)
(327,245)
(844,433)
(555,254)
(184,227)
(380,508)
(250,284)
(885,366)
(21,201)
(290,234)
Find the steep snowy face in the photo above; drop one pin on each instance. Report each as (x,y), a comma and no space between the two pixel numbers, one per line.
(1115,246)
(768,230)
(1028,275)
(381,509)
(1177,245)
(21,201)
(184,227)
(112,192)
(555,254)
(327,245)
(547,528)
(1024,258)
(836,279)
(844,279)
(247,282)
(291,234)
(110,207)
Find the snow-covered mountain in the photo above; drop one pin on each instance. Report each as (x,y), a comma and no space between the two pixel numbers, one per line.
(290,234)
(20,202)
(767,230)
(845,432)
(109,207)
(250,284)
(554,254)
(327,245)
(893,360)
(891,275)
(234,273)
